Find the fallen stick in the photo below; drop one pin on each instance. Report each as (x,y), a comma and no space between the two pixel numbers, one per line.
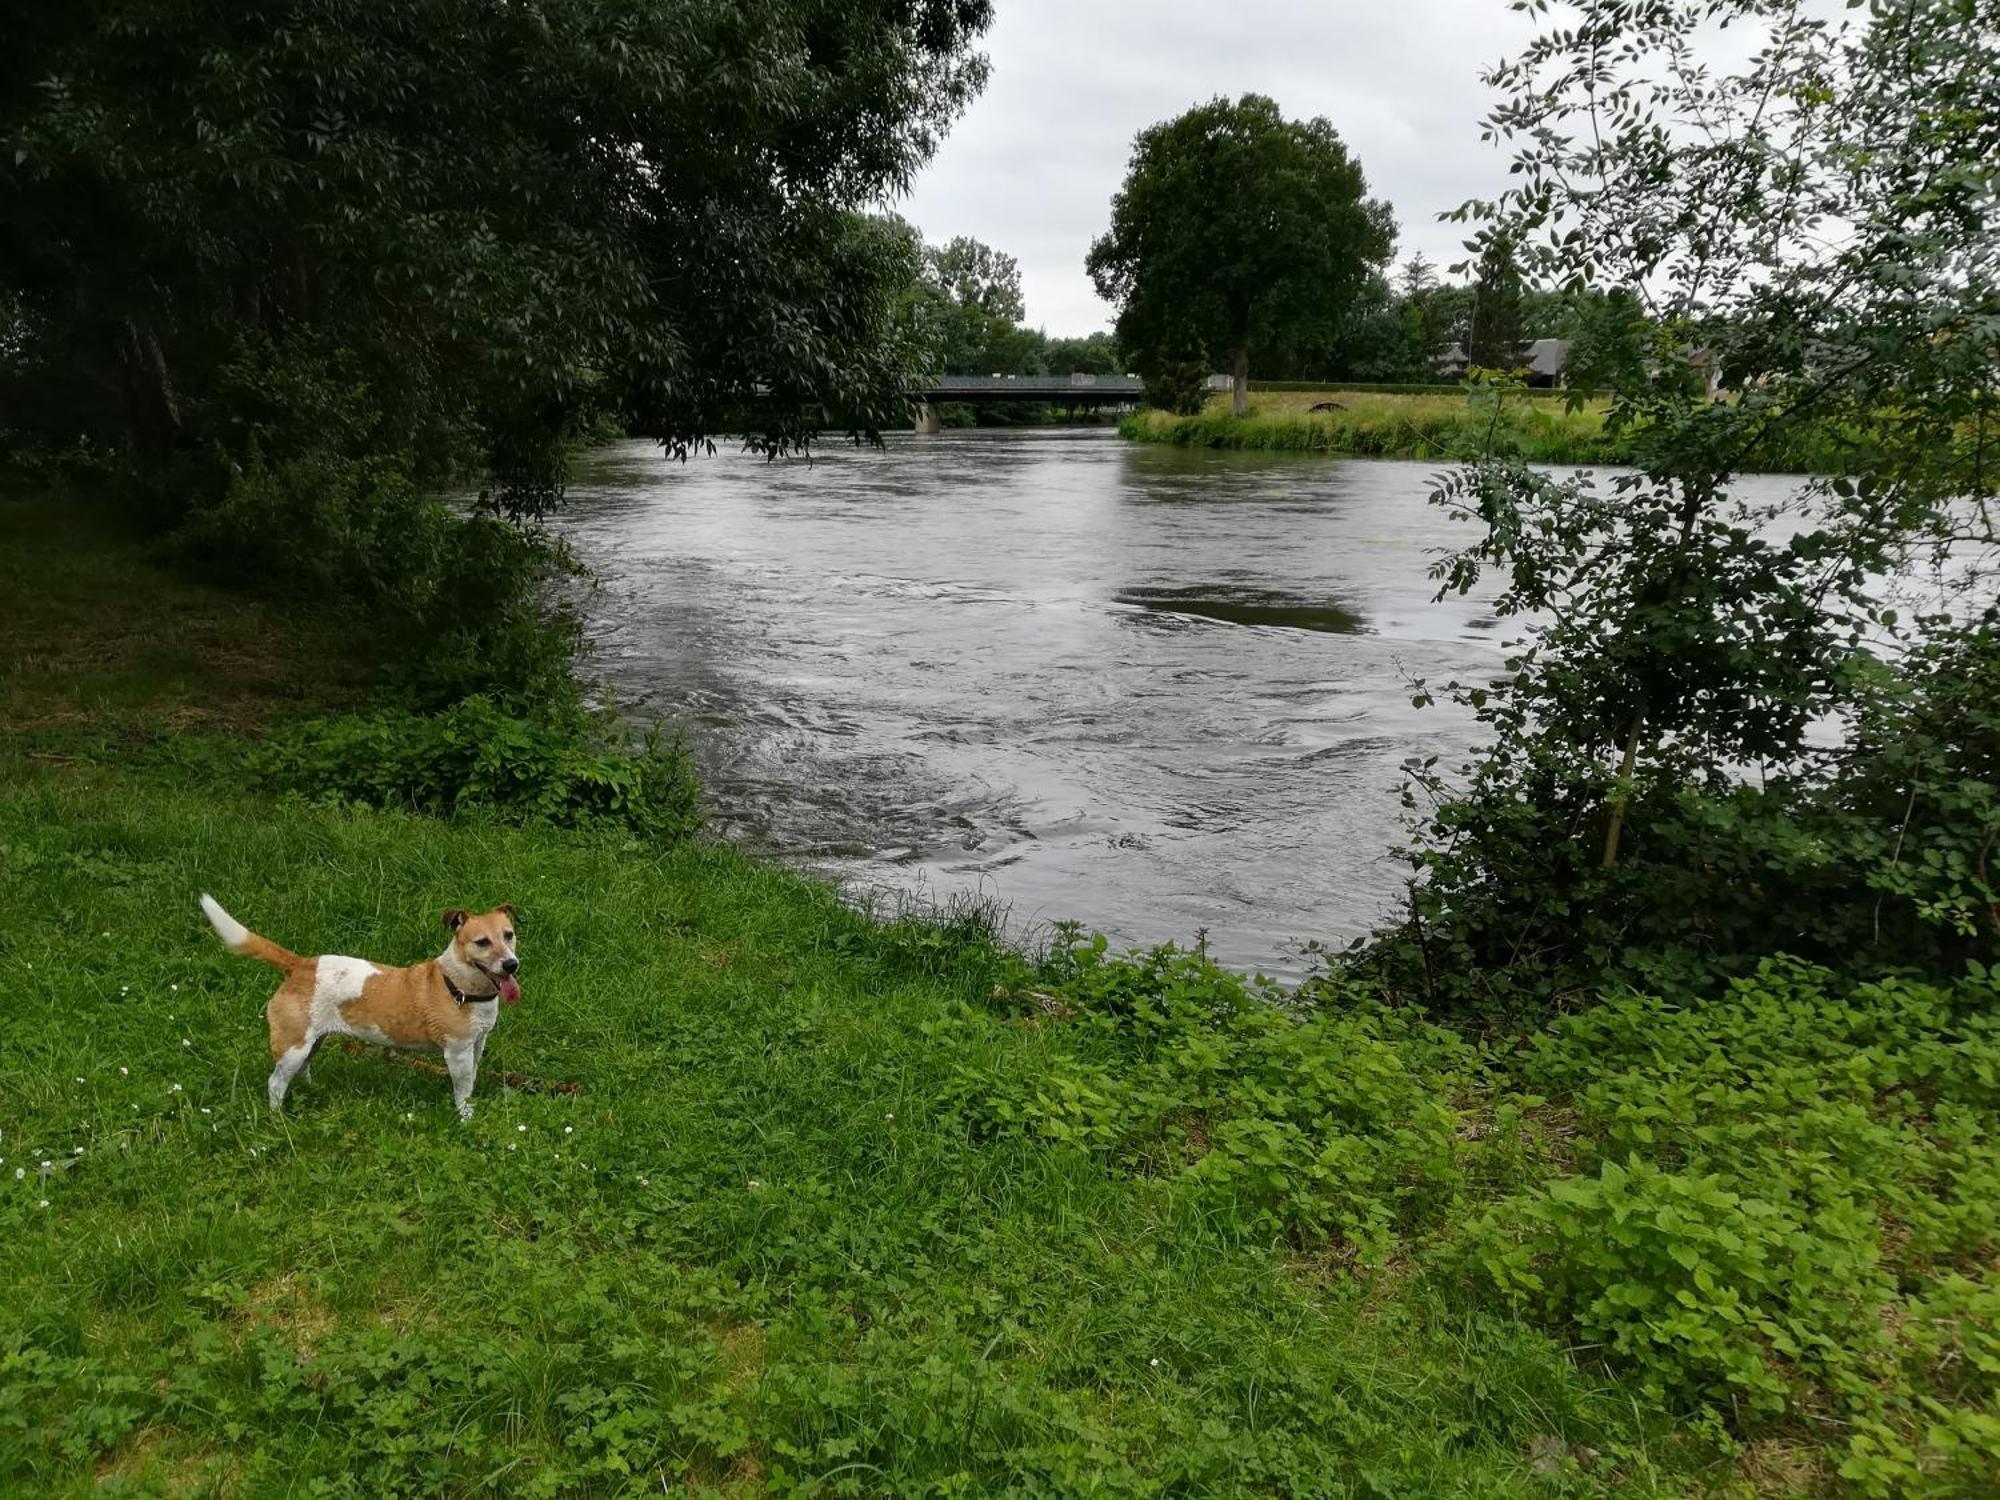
(520,1083)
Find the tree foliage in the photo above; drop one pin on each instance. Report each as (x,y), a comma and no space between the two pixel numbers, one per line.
(501,215)
(1496,339)
(1659,799)
(1237,229)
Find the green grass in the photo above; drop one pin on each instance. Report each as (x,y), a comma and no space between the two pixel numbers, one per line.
(1538,426)
(1380,425)
(842,1206)
(760,1247)
(104,650)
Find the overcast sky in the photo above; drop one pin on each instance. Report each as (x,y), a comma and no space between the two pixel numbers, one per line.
(1031,167)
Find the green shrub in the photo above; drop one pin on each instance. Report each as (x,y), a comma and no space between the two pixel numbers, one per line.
(1328,1123)
(564,768)
(324,503)
(1783,1201)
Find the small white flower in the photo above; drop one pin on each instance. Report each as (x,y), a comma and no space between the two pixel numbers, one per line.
(124,1072)
(124,989)
(19,1173)
(513,1145)
(204,1109)
(175,988)
(175,1089)
(569,1130)
(186,1043)
(888,1117)
(408,1116)
(754,1184)
(45,1203)
(78,1150)
(104,934)
(644,1183)
(1155,1361)
(520,1127)
(79,1080)
(46,1165)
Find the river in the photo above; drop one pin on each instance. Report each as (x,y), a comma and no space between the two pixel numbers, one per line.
(1155,690)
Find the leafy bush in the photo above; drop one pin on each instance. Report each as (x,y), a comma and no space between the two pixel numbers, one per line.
(1779,1205)
(565,768)
(1783,1201)
(326,504)
(1314,1124)
(1877,855)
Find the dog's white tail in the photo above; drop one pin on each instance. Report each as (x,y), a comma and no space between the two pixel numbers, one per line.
(239,939)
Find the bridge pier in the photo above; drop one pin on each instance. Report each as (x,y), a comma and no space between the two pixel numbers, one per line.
(925,417)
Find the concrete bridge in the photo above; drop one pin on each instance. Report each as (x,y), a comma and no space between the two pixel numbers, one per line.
(1074,391)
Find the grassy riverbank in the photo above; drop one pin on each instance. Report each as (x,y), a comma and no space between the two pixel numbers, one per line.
(1539,427)
(1380,425)
(849,1207)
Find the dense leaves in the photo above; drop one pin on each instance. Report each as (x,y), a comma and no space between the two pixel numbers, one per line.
(1659,798)
(1236,229)
(503,214)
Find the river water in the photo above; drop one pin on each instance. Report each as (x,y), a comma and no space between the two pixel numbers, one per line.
(1151,689)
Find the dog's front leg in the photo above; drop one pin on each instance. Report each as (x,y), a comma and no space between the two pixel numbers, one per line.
(461,1060)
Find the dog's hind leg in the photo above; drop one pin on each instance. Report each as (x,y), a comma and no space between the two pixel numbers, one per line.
(289,1062)
(461,1060)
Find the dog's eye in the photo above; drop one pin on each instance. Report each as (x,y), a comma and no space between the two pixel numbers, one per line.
(510,937)
(482,942)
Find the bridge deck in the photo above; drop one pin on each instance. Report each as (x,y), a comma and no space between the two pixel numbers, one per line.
(1053,388)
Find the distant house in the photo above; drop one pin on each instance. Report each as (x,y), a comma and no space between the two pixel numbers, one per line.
(1544,361)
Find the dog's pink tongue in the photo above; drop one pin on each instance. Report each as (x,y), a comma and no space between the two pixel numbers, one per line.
(510,992)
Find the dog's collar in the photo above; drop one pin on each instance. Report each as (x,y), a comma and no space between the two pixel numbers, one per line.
(458,994)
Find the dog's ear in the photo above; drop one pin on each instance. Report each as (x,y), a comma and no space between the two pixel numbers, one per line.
(455,918)
(507,907)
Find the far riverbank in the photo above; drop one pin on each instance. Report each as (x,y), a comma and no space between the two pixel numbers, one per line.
(1541,428)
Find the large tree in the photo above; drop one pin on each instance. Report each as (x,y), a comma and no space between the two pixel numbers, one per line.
(487,213)
(1238,229)
(1498,338)
(975,291)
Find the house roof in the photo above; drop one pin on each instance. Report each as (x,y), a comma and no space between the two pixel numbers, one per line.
(1541,357)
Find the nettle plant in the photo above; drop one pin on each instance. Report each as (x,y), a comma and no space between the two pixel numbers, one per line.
(1807,238)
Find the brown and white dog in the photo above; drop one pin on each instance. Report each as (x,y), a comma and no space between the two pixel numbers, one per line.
(440,1005)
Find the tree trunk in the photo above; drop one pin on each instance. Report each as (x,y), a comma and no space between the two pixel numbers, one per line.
(1622,793)
(1239,393)
(153,408)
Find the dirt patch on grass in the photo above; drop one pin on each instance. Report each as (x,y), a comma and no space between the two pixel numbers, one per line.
(1778,1467)
(100,634)
(155,1462)
(283,1303)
